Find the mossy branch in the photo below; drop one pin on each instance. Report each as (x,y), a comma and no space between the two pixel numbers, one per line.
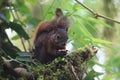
(70,67)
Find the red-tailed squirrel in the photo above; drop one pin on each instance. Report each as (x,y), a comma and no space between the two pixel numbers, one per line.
(51,38)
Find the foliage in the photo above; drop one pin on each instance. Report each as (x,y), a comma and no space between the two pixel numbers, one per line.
(19,14)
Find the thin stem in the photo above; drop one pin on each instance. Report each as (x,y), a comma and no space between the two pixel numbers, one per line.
(22,41)
(108,18)
(85,7)
(11,10)
(20,37)
(29,45)
(74,72)
(19,18)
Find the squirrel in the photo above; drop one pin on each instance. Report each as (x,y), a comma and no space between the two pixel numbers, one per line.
(51,38)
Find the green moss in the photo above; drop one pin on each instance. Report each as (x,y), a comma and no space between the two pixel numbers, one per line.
(60,69)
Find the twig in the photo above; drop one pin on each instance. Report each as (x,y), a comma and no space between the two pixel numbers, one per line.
(11,10)
(96,14)
(23,44)
(20,37)
(73,71)
(30,47)
(19,18)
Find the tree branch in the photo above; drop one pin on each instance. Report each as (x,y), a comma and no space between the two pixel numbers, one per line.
(96,14)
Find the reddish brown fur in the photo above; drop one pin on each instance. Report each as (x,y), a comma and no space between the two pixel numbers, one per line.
(50,38)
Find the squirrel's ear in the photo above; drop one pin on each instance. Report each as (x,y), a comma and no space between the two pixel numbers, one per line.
(58,12)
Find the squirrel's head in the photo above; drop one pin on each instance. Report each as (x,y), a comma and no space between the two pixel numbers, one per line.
(59,37)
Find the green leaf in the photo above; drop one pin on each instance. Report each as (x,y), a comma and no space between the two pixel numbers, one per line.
(76,7)
(17,28)
(6,13)
(21,7)
(33,1)
(6,47)
(100,22)
(32,21)
(15,37)
(1,1)
(84,30)
(2,16)
(9,49)
(92,74)
(24,58)
(24,54)
(95,40)
(86,23)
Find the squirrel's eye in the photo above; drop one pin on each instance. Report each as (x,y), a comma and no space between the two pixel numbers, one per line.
(58,36)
